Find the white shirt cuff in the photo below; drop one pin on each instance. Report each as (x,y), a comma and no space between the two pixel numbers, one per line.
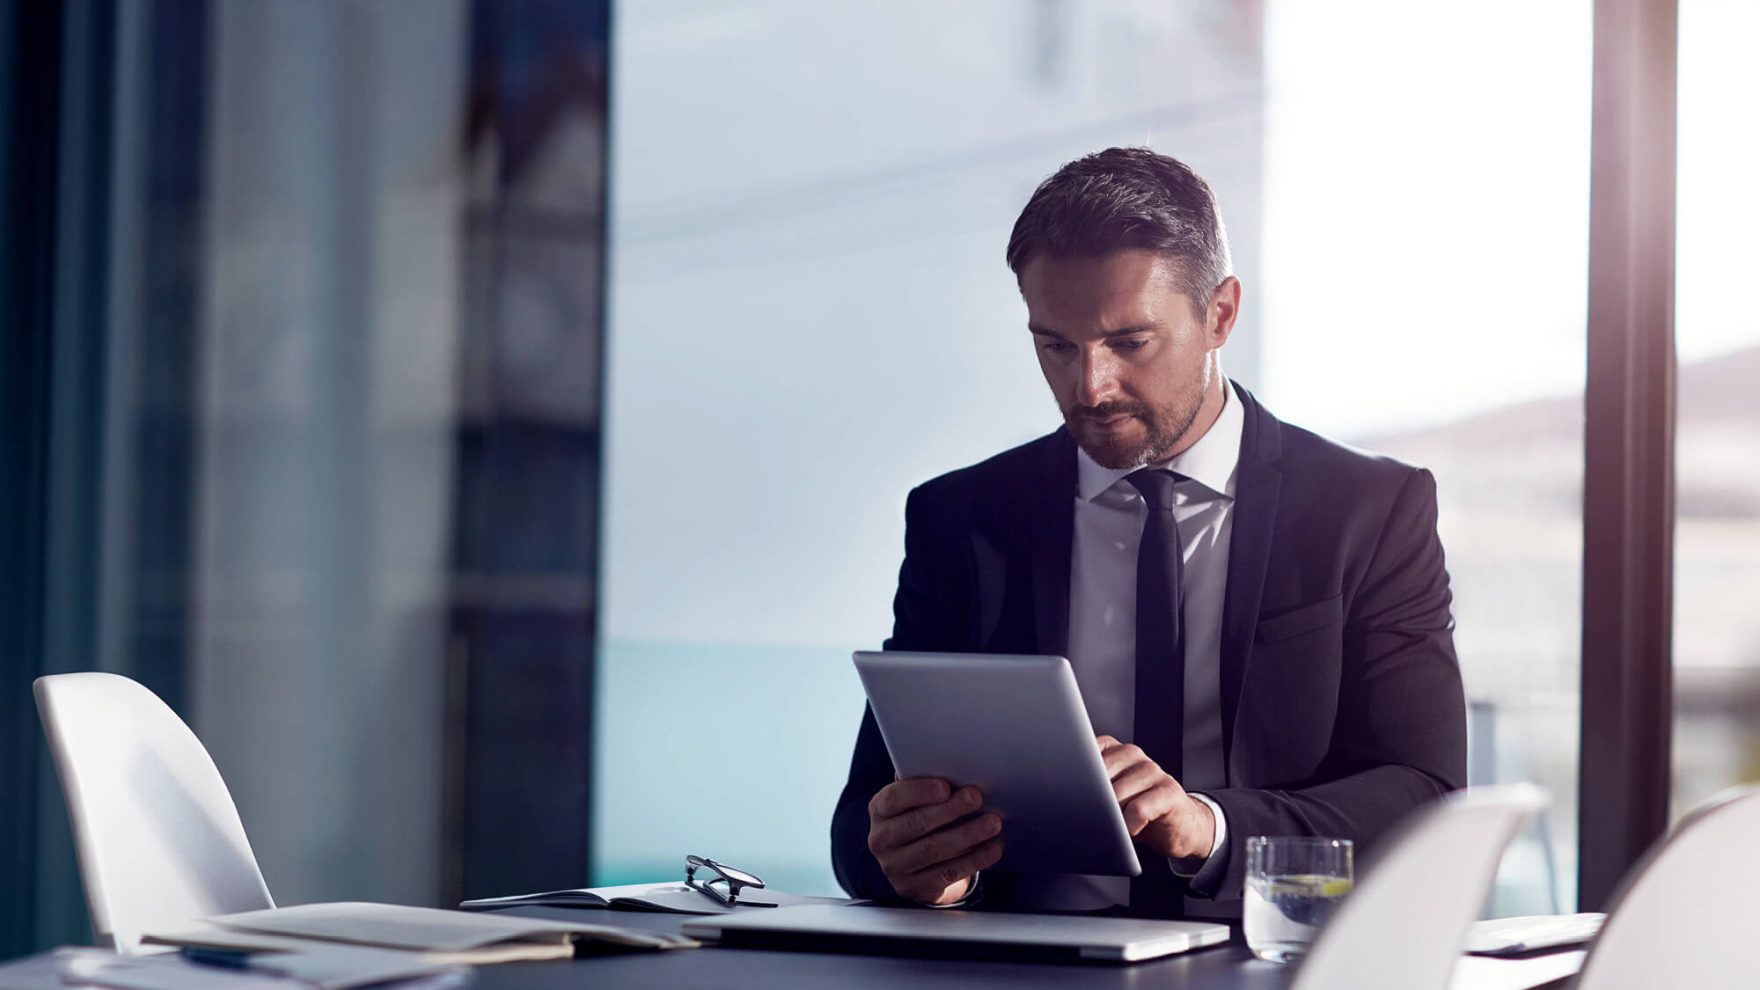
(1220,840)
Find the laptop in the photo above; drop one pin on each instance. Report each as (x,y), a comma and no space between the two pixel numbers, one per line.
(922,931)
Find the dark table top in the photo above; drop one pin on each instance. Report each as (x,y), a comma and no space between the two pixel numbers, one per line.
(1224,967)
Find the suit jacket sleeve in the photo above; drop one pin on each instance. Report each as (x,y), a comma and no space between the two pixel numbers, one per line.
(926,616)
(1400,735)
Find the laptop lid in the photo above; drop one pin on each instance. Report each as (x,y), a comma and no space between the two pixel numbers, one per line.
(909,931)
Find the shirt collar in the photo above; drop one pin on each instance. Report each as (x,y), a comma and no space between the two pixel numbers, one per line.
(1210,462)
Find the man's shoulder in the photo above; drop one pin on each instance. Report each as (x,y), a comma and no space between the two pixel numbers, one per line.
(1309,459)
(1335,465)
(1304,447)
(1035,462)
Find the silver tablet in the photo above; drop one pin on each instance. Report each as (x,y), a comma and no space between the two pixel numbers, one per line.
(1014,726)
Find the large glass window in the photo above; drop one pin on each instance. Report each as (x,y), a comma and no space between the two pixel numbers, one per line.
(1717,521)
(810,315)
(1426,210)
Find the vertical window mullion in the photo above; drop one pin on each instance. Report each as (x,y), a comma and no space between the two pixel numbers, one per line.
(1628,503)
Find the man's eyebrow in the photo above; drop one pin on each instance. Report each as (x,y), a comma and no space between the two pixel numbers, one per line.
(1038,331)
(1127,331)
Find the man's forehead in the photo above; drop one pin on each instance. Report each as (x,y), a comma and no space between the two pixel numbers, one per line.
(1127,270)
(1129,287)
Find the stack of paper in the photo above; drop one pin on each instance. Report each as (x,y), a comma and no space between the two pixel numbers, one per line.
(427,935)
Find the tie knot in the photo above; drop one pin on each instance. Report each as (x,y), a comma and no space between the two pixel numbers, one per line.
(1156,486)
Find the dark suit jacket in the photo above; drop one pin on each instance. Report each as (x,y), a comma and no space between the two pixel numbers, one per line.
(1342,706)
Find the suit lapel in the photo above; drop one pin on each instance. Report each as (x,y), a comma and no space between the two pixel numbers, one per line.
(1249,553)
(1050,519)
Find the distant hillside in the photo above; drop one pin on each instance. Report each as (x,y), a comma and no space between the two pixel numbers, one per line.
(1725,388)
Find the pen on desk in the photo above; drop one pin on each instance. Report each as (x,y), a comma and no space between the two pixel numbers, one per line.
(241,960)
(220,958)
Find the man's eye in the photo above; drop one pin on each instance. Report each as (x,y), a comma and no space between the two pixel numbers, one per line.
(1131,344)
(1058,346)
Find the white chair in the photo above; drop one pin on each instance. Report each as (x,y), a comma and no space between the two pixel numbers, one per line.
(159,839)
(1687,913)
(1404,925)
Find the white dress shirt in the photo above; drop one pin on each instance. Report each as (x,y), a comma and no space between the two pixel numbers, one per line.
(1109,518)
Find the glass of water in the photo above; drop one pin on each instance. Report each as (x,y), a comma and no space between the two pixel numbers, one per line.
(1293,885)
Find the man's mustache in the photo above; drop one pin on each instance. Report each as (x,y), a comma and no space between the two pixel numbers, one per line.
(1106,410)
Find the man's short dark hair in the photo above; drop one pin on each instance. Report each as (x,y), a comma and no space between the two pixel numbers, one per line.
(1124,199)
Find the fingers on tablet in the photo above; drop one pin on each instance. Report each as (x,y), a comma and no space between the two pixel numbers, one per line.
(901,796)
(1121,757)
(948,845)
(916,822)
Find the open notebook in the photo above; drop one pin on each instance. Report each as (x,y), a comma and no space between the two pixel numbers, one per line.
(437,936)
(669,896)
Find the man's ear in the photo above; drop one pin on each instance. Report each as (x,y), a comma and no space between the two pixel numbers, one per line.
(1224,309)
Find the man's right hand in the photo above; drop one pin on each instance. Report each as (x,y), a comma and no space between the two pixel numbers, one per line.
(930,839)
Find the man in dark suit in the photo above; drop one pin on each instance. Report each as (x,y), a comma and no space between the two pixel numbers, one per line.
(1258,617)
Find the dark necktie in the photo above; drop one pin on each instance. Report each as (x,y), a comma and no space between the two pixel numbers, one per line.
(1159,713)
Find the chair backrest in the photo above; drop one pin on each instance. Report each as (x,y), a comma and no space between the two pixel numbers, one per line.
(1404,925)
(1687,913)
(159,839)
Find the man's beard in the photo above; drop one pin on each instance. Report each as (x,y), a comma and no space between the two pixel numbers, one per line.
(1165,427)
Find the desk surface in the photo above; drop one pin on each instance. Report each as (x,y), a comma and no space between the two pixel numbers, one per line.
(1224,967)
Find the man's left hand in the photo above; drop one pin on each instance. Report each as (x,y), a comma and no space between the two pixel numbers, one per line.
(1157,810)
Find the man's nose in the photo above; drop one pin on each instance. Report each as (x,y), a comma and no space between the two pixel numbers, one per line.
(1098,379)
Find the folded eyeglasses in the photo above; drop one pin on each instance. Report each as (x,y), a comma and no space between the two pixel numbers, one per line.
(727,883)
